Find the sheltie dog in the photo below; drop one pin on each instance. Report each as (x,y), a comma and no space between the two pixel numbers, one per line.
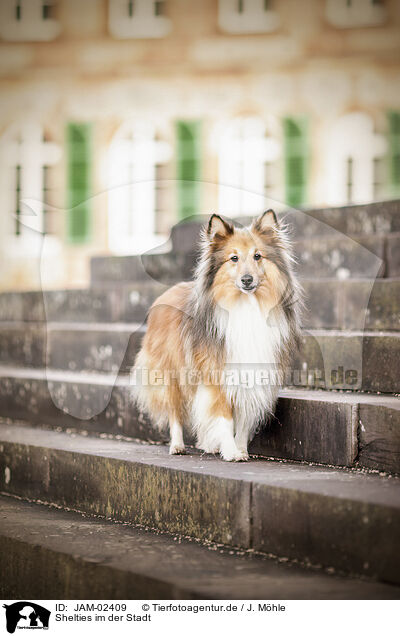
(239,316)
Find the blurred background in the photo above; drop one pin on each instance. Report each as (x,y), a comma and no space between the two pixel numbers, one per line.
(120,118)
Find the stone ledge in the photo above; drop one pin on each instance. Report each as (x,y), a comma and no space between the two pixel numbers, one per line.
(67,555)
(314,426)
(330,304)
(336,518)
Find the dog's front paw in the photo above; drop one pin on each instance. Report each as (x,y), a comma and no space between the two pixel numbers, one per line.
(236,456)
(175,449)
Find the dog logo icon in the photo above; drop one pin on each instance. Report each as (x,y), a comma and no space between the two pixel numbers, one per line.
(26,615)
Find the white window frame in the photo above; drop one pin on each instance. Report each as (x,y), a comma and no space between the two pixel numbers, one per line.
(253,17)
(23,145)
(133,157)
(352,138)
(357,13)
(143,23)
(32,26)
(244,148)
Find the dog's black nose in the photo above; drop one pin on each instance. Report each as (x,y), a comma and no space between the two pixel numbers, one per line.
(247,280)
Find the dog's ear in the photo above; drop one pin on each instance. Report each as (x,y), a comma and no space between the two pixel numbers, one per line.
(265,222)
(217,226)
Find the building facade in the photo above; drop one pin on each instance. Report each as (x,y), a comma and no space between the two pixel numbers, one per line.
(118,119)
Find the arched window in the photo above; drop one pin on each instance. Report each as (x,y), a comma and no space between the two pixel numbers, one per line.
(355,13)
(138,19)
(135,196)
(248,169)
(247,16)
(26,158)
(354,155)
(28,20)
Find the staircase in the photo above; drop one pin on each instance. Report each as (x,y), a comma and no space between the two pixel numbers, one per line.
(92,505)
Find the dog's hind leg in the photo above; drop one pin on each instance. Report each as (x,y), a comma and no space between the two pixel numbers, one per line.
(176,414)
(177,445)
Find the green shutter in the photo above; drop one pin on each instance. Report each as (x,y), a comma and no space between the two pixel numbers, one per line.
(394,153)
(79,181)
(188,141)
(296,160)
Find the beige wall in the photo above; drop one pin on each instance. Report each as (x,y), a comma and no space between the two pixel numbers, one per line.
(306,66)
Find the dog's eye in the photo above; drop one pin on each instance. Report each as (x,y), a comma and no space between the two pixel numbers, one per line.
(234,258)
(257,257)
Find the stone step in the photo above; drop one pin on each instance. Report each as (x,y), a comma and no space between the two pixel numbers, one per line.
(68,555)
(336,428)
(351,360)
(352,304)
(339,257)
(98,347)
(374,219)
(124,303)
(337,518)
(165,267)
(346,257)
(369,219)
(330,304)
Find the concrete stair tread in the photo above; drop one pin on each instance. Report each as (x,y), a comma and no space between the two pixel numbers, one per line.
(334,236)
(333,249)
(106,288)
(331,303)
(352,304)
(342,397)
(348,333)
(327,427)
(367,257)
(317,515)
(151,565)
(378,218)
(124,327)
(123,380)
(63,375)
(104,303)
(130,327)
(368,219)
(327,481)
(371,357)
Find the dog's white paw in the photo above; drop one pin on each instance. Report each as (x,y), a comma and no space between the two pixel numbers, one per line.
(236,456)
(176,449)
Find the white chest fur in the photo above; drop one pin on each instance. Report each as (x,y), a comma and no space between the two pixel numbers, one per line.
(250,336)
(253,342)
